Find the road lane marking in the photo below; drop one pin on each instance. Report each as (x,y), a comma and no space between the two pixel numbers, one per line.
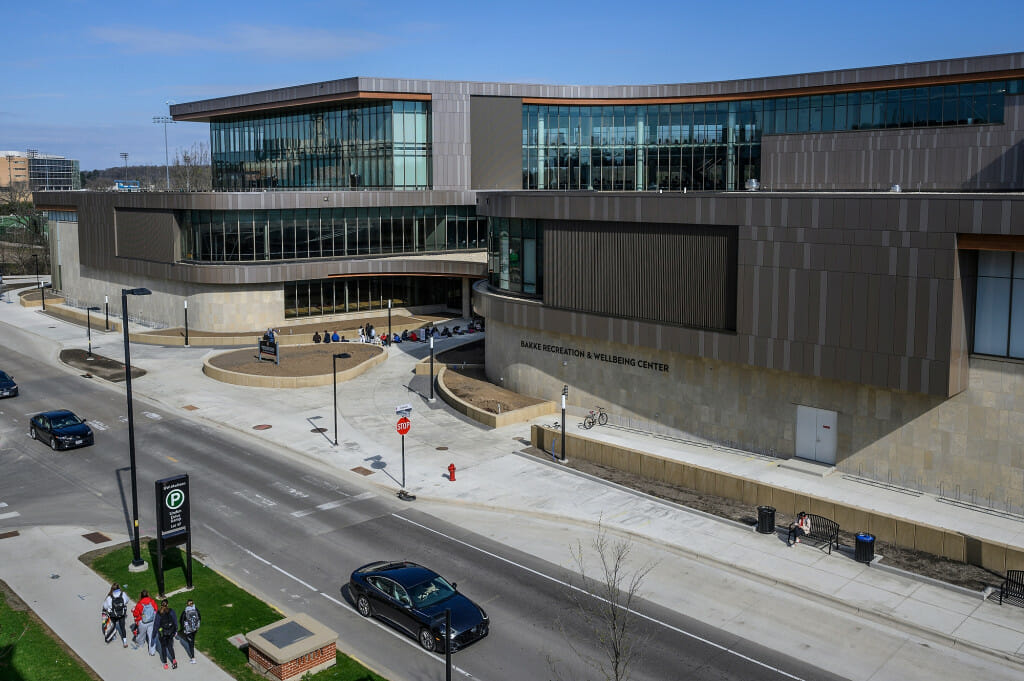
(262,559)
(98,425)
(3,504)
(332,504)
(695,637)
(332,599)
(12,514)
(255,498)
(297,493)
(151,415)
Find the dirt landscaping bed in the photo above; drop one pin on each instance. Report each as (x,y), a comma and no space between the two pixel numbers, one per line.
(471,385)
(298,360)
(101,367)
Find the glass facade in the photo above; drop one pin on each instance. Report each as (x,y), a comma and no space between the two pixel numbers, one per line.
(253,235)
(516,256)
(53,173)
(385,145)
(717,145)
(999,304)
(62,216)
(360,294)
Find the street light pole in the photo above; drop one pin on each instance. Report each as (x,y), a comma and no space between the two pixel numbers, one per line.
(124,157)
(431,367)
(88,325)
(334,366)
(186,323)
(165,120)
(106,313)
(389,321)
(137,563)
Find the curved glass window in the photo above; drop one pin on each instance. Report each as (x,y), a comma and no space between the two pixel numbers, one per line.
(717,145)
(254,235)
(317,297)
(384,145)
(515,258)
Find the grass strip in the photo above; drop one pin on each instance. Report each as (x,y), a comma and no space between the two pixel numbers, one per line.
(227,609)
(29,652)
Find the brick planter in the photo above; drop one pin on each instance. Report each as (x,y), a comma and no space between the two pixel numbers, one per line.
(292,647)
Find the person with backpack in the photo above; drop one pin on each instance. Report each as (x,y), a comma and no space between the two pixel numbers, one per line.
(145,614)
(116,607)
(190,621)
(167,628)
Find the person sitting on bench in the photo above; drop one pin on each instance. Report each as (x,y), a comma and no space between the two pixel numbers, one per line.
(798,529)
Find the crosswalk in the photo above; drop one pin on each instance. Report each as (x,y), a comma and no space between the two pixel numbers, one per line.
(4,515)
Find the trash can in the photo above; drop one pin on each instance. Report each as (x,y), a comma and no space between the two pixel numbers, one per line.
(766,519)
(864,549)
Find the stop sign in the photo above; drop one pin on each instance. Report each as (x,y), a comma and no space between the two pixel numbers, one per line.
(403,426)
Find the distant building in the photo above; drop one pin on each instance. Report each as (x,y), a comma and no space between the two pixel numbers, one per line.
(42,172)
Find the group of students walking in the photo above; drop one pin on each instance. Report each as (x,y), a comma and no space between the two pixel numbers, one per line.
(155,626)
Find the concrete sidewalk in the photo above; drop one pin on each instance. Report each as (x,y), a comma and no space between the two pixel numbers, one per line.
(41,565)
(817,600)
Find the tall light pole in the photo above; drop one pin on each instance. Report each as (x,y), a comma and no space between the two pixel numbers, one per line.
(137,563)
(88,325)
(106,313)
(124,157)
(165,120)
(186,323)
(389,322)
(42,292)
(334,366)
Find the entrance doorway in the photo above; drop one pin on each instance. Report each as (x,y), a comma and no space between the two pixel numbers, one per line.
(816,434)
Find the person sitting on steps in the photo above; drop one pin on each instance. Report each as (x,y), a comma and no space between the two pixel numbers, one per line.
(798,529)
(335,338)
(316,336)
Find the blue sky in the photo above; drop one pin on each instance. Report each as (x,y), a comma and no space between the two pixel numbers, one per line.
(84,79)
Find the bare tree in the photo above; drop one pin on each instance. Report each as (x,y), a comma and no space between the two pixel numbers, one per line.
(22,232)
(191,169)
(604,597)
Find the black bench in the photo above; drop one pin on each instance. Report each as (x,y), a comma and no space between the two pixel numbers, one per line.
(823,529)
(1012,586)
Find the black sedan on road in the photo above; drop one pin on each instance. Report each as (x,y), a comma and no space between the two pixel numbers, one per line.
(8,388)
(61,429)
(414,599)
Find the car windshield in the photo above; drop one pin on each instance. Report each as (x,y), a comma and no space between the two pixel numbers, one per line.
(4,376)
(64,420)
(430,592)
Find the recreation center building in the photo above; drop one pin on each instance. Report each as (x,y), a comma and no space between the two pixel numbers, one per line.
(820,265)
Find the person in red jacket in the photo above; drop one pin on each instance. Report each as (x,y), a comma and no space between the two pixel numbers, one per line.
(144,619)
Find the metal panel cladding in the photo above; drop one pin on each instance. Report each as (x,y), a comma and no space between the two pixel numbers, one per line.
(669,274)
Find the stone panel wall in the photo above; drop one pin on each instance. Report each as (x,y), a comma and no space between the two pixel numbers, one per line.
(968,446)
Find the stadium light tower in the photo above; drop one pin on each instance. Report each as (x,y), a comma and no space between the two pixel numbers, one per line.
(124,157)
(167,172)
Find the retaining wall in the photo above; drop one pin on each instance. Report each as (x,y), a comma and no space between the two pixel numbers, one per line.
(899,531)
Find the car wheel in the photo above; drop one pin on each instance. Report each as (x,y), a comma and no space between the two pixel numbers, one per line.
(363,606)
(32,434)
(427,640)
(53,443)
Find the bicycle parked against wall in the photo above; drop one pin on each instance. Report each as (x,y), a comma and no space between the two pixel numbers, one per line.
(596,415)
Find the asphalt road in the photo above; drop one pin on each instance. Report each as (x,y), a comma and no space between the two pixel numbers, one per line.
(292,534)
